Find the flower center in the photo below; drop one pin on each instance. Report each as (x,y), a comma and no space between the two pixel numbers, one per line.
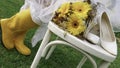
(80,10)
(75,24)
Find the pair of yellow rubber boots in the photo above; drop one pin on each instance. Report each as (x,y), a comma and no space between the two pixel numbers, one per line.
(14,30)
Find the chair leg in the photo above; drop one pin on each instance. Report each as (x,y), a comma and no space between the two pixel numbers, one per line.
(53,43)
(82,62)
(104,64)
(50,52)
(41,48)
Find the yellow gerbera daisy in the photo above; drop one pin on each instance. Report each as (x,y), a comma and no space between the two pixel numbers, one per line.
(82,8)
(75,25)
(64,8)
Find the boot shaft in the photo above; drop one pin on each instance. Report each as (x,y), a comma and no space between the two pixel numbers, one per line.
(22,21)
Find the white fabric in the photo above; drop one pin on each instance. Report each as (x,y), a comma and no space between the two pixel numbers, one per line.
(114,12)
(39,34)
(42,12)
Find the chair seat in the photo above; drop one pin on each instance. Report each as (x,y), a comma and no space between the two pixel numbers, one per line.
(95,50)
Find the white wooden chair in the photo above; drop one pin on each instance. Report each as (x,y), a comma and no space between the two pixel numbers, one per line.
(83,46)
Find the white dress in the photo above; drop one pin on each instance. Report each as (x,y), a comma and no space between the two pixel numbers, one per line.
(42,12)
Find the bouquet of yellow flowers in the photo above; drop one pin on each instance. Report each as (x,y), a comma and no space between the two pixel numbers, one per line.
(71,17)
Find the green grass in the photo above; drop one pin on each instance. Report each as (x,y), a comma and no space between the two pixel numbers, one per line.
(62,57)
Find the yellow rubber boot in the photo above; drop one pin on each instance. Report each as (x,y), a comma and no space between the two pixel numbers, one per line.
(19,45)
(22,21)
(14,30)
(7,35)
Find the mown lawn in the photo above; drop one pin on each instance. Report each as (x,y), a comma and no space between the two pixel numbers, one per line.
(62,57)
